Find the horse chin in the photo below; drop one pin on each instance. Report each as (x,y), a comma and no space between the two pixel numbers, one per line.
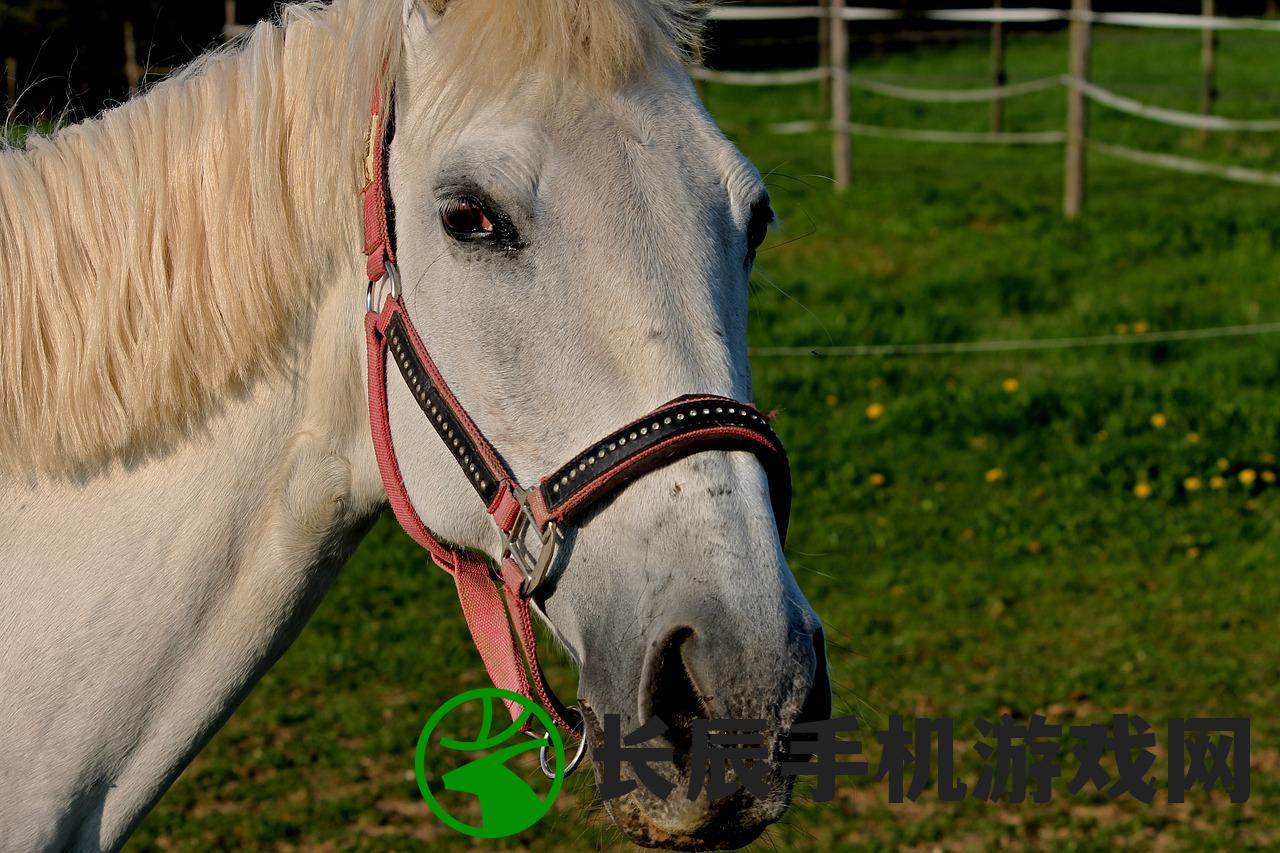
(677,823)
(680,825)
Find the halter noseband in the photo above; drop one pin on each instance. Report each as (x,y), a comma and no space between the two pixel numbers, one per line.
(538,514)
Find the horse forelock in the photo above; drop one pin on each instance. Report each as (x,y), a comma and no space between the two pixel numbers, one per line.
(597,42)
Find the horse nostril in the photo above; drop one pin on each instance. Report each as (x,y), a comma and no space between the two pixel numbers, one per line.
(817,705)
(674,698)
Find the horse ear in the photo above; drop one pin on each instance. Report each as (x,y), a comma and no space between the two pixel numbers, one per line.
(435,7)
(423,11)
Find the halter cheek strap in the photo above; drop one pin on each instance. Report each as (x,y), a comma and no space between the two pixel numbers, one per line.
(495,602)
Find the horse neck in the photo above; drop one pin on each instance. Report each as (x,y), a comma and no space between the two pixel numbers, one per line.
(166,589)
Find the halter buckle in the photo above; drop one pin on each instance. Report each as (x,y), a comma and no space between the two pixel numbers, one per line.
(533,566)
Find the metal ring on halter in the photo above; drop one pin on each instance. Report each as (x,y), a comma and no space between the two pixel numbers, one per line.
(543,752)
(390,278)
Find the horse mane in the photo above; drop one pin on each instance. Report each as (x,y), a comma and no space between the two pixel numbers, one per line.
(157,258)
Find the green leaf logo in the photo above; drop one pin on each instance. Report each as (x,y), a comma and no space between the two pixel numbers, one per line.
(508,804)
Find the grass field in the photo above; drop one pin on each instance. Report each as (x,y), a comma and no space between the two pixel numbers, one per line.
(1071,533)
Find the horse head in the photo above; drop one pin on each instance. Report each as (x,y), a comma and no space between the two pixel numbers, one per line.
(575,236)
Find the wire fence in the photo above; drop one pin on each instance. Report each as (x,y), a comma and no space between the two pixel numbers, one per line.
(834,72)
(1020,345)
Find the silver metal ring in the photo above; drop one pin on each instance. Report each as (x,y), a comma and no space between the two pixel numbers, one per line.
(391,279)
(573,764)
(545,759)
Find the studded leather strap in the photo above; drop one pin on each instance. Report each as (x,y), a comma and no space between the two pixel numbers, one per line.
(484,469)
(683,427)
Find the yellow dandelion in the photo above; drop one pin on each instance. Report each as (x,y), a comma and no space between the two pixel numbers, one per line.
(1122,329)
(1192,484)
(1217,483)
(1268,459)
(877,480)
(1010,385)
(1140,327)
(1223,464)
(1193,438)
(1268,476)
(1193,552)
(1248,477)
(875,411)
(994,474)
(1159,421)
(1142,490)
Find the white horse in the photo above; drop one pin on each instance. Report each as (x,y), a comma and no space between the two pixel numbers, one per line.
(185,460)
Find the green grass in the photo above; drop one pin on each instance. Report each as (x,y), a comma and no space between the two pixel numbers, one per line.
(1055,588)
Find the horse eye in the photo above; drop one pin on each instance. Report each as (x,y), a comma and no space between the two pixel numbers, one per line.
(758,227)
(465,219)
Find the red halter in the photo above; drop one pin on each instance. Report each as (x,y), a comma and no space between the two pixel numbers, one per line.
(683,427)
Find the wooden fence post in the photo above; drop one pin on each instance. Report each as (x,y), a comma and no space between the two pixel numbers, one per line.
(1208,66)
(231,29)
(824,52)
(132,72)
(1077,111)
(840,95)
(11,81)
(998,75)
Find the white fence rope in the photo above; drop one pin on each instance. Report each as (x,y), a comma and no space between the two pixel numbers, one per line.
(1094,92)
(765,13)
(879,87)
(1026,345)
(1164,115)
(910,134)
(958,137)
(953,96)
(761,78)
(1163,21)
(1144,20)
(794,128)
(998,16)
(1188,165)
